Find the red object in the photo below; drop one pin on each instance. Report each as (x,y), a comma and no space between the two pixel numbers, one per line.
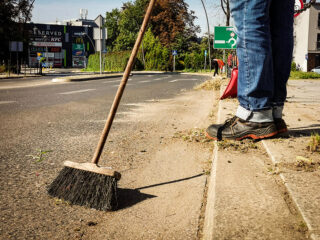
(297,7)
(220,63)
(232,88)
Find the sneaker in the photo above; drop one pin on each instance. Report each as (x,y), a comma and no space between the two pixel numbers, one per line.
(237,129)
(281,125)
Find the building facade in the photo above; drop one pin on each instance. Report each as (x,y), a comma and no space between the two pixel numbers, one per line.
(60,45)
(306,53)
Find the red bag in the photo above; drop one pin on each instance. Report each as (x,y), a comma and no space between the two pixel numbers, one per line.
(231,89)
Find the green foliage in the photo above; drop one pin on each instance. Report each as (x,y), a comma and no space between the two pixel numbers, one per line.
(304,75)
(129,23)
(2,68)
(111,22)
(13,16)
(171,28)
(293,66)
(194,61)
(113,62)
(156,56)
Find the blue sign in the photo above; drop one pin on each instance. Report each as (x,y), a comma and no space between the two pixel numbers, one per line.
(306,56)
(205,52)
(174,52)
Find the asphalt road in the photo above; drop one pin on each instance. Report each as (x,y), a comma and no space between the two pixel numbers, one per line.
(45,123)
(139,88)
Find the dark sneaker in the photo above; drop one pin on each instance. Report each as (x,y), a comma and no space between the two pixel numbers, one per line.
(281,125)
(237,129)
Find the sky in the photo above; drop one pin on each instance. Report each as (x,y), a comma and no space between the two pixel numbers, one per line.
(51,11)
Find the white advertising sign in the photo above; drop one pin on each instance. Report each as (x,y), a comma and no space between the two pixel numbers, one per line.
(47,44)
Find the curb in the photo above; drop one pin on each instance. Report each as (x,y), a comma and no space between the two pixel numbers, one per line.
(18,77)
(313,234)
(209,212)
(83,78)
(209,220)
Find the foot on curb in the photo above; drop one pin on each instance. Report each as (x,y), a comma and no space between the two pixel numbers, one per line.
(237,129)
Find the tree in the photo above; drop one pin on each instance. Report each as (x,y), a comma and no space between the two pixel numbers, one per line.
(171,18)
(13,16)
(225,5)
(130,21)
(111,23)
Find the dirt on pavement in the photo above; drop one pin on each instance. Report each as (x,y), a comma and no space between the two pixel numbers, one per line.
(159,148)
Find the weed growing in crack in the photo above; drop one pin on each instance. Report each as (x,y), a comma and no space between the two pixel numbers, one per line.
(306,164)
(193,135)
(314,144)
(40,156)
(241,146)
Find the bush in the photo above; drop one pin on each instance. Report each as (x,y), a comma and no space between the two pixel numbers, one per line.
(304,75)
(293,66)
(2,68)
(113,62)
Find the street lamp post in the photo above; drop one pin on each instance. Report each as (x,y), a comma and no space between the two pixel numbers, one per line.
(94,49)
(85,34)
(208,33)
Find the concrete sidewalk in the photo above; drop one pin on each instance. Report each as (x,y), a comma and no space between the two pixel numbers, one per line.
(268,189)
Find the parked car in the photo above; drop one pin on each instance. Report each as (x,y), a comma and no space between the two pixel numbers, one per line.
(316,70)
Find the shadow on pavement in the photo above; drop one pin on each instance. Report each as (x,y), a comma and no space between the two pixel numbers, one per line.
(174,181)
(130,197)
(304,131)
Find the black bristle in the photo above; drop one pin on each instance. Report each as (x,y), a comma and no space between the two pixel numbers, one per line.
(85,188)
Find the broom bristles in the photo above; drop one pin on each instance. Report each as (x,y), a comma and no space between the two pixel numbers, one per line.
(85,188)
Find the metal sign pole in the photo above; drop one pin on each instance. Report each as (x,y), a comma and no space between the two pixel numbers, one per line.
(17,69)
(10,63)
(174,63)
(224,59)
(205,62)
(100,51)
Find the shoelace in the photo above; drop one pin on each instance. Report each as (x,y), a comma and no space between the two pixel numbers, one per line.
(229,121)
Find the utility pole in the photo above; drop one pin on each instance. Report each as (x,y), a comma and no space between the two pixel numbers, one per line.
(208,33)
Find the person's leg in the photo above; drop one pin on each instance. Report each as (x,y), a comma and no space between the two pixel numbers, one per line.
(281,23)
(215,68)
(255,80)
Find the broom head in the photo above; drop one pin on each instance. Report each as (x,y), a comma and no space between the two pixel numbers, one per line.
(86,184)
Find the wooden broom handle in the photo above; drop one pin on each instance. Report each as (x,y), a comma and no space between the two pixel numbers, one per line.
(122,85)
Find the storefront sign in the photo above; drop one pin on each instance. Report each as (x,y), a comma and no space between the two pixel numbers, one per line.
(47,44)
(38,32)
(78,50)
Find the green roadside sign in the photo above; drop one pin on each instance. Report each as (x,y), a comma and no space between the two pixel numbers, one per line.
(225,38)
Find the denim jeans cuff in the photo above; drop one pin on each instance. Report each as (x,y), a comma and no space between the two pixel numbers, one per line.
(254,116)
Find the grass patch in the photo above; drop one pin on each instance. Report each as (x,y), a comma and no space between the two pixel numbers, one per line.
(304,75)
(193,135)
(314,143)
(241,146)
(306,164)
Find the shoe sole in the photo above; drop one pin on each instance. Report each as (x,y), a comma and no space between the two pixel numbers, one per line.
(283,130)
(251,135)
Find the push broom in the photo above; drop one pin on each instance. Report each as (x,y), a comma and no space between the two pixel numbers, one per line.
(88,184)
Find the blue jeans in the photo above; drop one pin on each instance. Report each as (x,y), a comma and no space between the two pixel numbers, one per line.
(264,49)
